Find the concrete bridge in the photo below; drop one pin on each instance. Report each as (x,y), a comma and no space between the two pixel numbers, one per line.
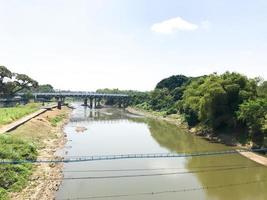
(91,99)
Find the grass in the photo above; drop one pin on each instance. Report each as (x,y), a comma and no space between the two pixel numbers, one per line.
(55,120)
(8,115)
(15,177)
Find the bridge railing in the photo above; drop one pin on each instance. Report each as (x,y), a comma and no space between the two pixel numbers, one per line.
(74,94)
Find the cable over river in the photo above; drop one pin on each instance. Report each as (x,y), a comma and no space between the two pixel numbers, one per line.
(115,132)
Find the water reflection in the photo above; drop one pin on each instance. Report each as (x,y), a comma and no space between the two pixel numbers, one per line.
(105,114)
(232,182)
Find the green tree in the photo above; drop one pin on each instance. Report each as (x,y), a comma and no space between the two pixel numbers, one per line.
(253,113)
(172,82)
(262,89)
(44,88)
(213,100)
(11,83)
(161,100)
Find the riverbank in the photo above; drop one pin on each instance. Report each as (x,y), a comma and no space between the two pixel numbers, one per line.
(178,121)
(223,139)
(174,119)
(46,132)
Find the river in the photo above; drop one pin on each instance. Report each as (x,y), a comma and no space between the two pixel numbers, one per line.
(115,131)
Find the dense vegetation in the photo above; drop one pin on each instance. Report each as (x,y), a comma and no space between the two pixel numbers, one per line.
(230,103)
(14,177)
(8,115)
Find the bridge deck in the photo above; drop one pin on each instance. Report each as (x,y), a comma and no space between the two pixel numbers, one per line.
(75,94)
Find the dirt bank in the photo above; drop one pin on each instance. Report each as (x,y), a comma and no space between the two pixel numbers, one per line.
(174,119)
(49,138)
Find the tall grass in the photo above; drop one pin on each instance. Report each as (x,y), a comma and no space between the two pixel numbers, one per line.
(7,115)
(14,177)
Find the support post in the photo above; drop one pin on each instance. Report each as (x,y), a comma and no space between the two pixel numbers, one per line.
(91,103)
(59,104)
(119,102)
(98,102)
(85,102)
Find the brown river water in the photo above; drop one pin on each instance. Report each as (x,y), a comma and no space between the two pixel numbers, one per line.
(115,131)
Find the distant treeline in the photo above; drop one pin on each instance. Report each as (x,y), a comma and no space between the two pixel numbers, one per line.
(230,103)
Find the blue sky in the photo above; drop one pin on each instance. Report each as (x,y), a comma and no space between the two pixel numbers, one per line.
(131,44)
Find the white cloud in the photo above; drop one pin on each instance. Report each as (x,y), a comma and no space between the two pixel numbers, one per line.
(174,24)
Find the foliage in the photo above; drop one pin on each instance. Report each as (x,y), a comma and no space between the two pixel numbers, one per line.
(8,115)
(172,82)
(3,194)
(214,99)
(215,102)
(161,99)
(262,89)
(11,83)
(14,177)
(254,113)
(55,120)
(40,88)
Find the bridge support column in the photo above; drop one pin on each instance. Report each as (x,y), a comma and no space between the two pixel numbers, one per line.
(94,102)
(59,103)
(124,104)
(85,103)
(98,102)
(91,103)
(119,102)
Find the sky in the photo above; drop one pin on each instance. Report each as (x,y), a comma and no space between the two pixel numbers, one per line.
(131,44)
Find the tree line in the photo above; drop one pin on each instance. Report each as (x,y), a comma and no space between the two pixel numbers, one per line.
(230,102)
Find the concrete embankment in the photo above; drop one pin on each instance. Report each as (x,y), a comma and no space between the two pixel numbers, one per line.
(255,157)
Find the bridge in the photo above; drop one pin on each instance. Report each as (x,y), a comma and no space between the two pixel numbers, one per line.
(93,97)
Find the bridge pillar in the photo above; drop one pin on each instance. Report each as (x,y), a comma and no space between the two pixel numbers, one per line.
(85,102)
(59,104)
(124,104)
(94,102)
(91,103)
(120,102)
(98,102)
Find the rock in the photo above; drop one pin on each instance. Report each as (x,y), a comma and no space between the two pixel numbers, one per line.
(80,129)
